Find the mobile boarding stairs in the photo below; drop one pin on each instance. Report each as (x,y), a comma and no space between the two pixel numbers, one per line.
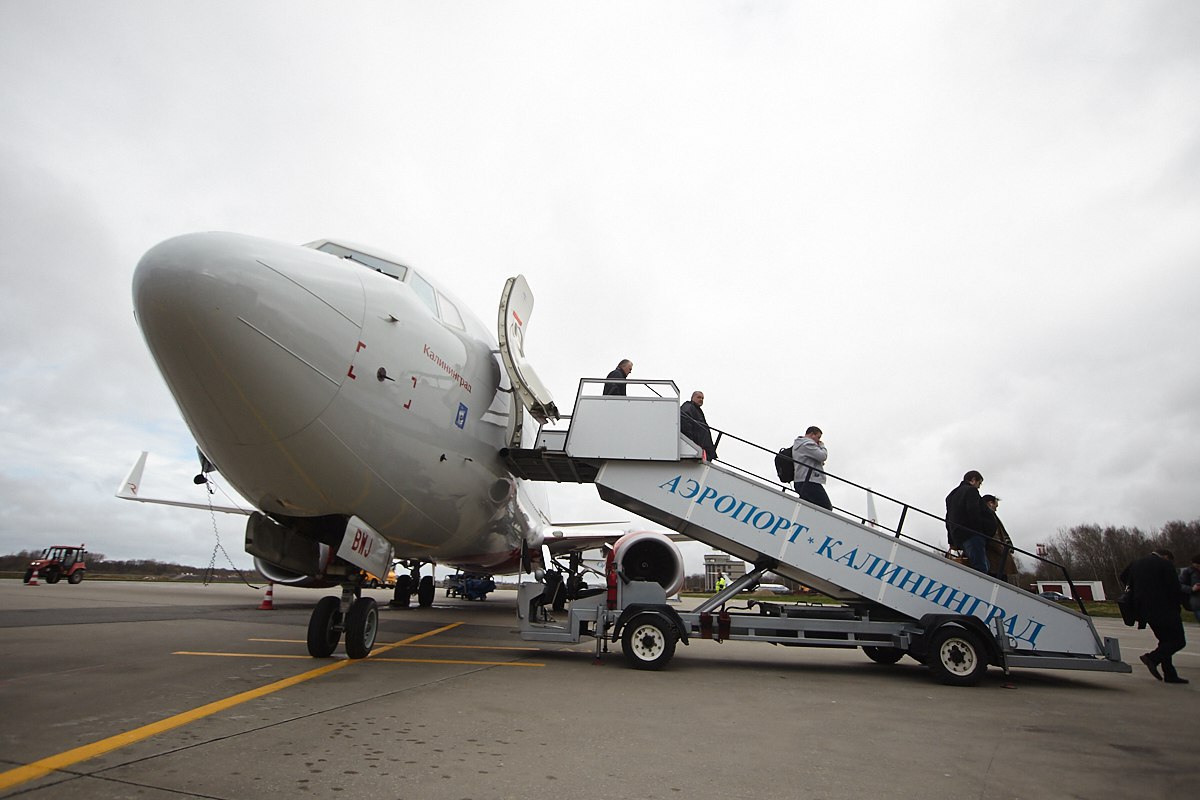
(899,596)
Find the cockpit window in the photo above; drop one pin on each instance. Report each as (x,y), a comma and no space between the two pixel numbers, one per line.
(432,298)
(397,271)
(450,314)
(424,291)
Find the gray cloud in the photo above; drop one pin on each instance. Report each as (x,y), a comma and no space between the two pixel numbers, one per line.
(954,236)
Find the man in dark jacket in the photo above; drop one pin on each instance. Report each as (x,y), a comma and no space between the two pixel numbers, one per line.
(965,522)
(619,374)
(1189,584)
(694,426)
(999,544)
(1157,599)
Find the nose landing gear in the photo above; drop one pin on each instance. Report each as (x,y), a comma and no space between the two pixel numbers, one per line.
(355,617)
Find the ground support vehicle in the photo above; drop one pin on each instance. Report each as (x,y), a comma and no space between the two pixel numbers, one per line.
(640,618)
(898,596)
(956,648)
(58,562)
(470,586)
(373,581)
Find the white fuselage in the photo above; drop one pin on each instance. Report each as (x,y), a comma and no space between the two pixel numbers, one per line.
(322,386)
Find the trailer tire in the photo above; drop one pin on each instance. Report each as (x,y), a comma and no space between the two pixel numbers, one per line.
(883,655)
(956,658)
(648,641)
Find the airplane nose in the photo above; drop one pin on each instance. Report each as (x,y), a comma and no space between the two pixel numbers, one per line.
(254,338)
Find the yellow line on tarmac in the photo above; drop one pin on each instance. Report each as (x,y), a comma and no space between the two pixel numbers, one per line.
(243,655)
(381,660)
(474,647)
(457,661)
(436,646)
(45,766)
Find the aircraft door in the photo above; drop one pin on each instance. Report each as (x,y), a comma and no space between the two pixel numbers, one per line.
(516,306)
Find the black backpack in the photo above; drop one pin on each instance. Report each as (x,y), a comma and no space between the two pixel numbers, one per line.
(785,467)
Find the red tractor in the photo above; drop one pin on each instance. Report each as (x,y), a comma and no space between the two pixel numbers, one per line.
(60,561)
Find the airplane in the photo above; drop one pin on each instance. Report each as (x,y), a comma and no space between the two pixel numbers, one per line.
(359,407)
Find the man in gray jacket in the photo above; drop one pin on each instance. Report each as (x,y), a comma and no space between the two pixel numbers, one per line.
(810,455)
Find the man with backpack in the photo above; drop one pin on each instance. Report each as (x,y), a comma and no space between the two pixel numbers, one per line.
(810,456)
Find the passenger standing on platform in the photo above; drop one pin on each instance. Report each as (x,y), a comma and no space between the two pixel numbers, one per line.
(1157,597)
(1189,581)
(694,426)
(619,374)
(810,456)
(999,546)
(965,520)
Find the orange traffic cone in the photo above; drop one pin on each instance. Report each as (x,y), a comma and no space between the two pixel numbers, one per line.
(33,581)
(268,603)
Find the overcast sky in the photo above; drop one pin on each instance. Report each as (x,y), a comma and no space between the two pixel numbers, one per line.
(954,235)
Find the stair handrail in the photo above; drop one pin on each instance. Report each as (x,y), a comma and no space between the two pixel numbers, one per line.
(904,508)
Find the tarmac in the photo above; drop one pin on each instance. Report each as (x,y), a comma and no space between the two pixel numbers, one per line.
(158,690)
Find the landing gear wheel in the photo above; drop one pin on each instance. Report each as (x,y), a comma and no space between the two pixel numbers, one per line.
(323,627)
(425,589)
(956,657)
(362,624)
(402,594)
(76,577)
(648,642)
(884,655)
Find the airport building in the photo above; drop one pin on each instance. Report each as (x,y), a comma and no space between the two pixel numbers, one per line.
(716,563)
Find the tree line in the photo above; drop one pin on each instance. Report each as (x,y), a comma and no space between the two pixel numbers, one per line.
(1095,553)
(99,564)
(1089,552)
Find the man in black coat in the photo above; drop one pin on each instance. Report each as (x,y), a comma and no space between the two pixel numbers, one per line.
(965,521)
(1157,600)
(694,426)
(619,374)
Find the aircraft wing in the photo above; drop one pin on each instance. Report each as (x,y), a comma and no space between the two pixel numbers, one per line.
(129,491)
(579,542)
(562,542)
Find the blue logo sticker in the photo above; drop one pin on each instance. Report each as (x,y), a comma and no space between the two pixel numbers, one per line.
(461,420)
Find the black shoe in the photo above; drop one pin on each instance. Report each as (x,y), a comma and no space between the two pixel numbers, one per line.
(1174,679)
(1152,666)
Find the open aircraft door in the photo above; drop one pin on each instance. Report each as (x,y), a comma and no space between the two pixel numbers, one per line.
(516,306)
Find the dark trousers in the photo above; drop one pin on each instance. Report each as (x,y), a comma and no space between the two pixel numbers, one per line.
(813,493)
(975,547)
(1169,632)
